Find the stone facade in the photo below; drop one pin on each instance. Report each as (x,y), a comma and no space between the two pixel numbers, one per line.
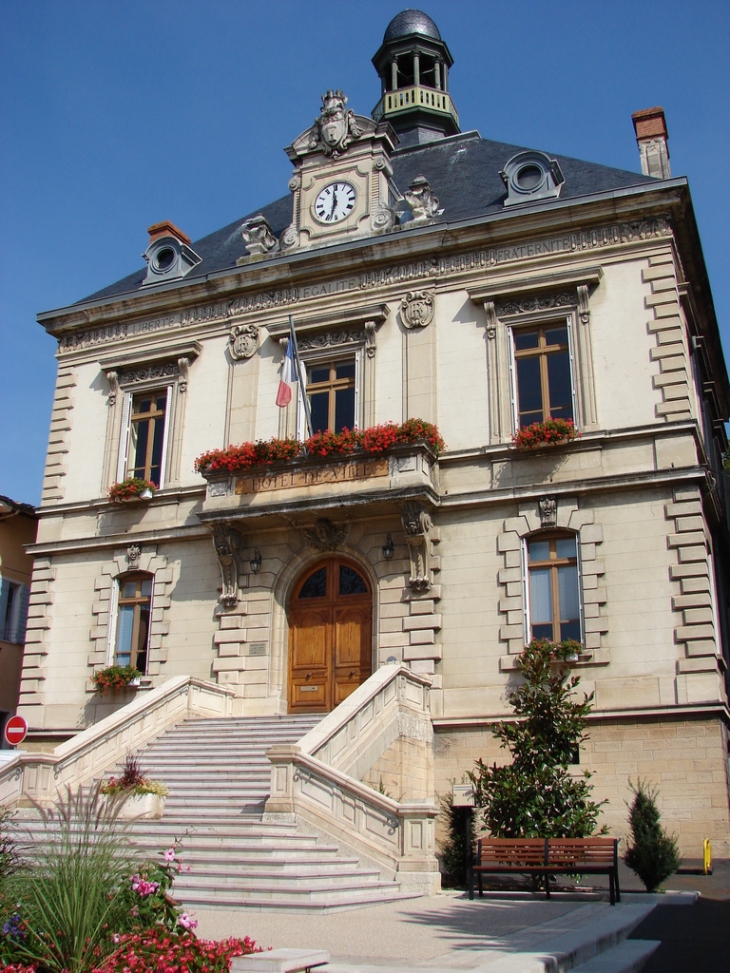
(427,318)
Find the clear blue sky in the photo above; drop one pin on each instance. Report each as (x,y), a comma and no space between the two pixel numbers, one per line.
(116,114)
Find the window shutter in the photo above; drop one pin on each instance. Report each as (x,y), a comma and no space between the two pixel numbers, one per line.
(573,378)
(580,590)
(166,436)
(4,593)
(525,592)
(21,616)
(124,437)
(113,607)
(513,384)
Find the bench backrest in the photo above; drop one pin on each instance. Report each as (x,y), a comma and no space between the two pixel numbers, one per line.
(550,851)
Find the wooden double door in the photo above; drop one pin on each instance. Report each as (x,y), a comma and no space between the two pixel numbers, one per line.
(330,635)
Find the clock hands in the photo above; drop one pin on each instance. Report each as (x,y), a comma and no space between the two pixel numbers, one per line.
(334,202)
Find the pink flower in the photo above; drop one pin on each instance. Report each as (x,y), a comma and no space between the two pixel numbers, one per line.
(186,922)
(169,855)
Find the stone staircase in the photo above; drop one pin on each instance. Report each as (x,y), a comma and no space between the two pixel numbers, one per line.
(218,778)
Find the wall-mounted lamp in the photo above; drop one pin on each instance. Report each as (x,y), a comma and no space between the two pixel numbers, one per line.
(255,563)
(388,548)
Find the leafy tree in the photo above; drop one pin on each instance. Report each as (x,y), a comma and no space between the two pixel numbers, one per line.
(653,854)
(536,796)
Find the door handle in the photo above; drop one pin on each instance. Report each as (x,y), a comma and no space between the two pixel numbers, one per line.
(308,675)
(352,673)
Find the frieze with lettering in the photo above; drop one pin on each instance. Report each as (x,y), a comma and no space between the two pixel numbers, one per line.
(427,268)
(290,479)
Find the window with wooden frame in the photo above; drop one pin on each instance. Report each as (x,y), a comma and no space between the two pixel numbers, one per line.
(553,587)
(134,606)
(147,436)
(13,611)
(543,374)
(331,390)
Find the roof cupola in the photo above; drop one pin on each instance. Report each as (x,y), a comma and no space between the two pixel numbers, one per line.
(413,65)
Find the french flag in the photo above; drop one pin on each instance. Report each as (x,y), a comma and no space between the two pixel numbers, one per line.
(283,395)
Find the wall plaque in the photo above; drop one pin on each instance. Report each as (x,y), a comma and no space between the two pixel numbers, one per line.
(257,648)
(337,473)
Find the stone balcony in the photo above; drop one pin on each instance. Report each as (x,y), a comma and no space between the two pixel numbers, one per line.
(377,483)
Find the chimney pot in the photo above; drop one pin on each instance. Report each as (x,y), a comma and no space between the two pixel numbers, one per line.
(650,126)
(166,228)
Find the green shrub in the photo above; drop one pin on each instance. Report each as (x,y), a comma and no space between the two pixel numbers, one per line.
(536,796)
(652,854)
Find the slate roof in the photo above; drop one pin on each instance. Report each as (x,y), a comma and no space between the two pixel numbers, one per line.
(463,171)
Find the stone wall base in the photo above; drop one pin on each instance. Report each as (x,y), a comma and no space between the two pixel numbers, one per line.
(686,758)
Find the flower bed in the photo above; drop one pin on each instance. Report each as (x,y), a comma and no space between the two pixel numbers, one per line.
(115,677)
(134,487)
(551,432)
(373,441)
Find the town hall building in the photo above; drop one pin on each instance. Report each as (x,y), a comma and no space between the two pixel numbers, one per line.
(429,274)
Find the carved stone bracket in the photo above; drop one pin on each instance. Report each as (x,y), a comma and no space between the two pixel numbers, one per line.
(417,309)
(370,333)
(227,544)
(417,525)
(113,379)
(548,510)
(584,311)
(243,341)
(325,536)
(183,367)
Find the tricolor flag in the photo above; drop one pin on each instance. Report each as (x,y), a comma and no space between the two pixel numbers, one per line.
(283,395)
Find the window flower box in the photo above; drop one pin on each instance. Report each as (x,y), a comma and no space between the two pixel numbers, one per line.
(374,441)
(114,678)
(133,488)
(539,435)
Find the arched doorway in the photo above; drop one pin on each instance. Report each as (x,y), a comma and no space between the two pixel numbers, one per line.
(330,643)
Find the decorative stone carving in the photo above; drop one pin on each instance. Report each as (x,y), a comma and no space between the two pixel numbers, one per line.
(227,543)
(243,341)
(325,536)
(134,552)
(422,200)
(416,526)
(584,311)
(370,332)
(150,373)
(548,508)
(336,127)
(183,367)
(332,338)
(417,309)
(540,302)
(258,236)
(492,320)
(289,238)
(113,380)
(383,219)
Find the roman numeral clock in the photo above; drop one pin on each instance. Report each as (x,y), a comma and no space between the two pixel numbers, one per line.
(341,184)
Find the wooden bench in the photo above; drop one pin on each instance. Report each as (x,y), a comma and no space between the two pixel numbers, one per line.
(546,857)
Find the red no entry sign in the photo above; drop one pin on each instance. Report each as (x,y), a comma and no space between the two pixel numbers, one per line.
(15,730)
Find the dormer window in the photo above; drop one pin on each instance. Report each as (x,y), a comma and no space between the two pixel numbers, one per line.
(530,176)
(168,256)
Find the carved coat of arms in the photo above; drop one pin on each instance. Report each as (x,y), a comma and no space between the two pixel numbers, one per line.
(336,127)
(243,341)
(417,309)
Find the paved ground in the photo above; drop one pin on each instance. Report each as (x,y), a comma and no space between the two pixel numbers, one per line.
(449,932)
(696,938)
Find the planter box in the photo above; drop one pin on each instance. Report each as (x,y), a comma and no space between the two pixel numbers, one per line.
(316,483)
(142,806)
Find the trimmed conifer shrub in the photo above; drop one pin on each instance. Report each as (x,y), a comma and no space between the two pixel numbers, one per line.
(652,854)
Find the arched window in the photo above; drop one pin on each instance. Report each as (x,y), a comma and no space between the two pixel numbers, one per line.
(133,620)
(553,586)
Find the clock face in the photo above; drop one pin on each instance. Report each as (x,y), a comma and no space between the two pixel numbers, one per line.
(335,202)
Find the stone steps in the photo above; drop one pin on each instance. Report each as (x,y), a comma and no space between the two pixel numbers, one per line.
(218,779)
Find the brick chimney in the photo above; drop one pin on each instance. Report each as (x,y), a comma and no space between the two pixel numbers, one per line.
(651,137)
(166,228)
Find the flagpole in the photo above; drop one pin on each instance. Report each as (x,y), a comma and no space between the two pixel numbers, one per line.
(301,377)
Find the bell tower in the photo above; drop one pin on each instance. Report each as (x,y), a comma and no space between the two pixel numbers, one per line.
(413,65)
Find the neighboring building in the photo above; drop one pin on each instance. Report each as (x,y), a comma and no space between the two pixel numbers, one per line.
(430,273)
(18,524)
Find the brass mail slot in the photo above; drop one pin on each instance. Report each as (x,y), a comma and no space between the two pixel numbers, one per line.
(309,689)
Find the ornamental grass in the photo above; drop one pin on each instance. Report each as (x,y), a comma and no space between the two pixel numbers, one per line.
(373,441)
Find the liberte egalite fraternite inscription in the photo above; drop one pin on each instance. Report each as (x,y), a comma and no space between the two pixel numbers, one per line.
(337,473)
